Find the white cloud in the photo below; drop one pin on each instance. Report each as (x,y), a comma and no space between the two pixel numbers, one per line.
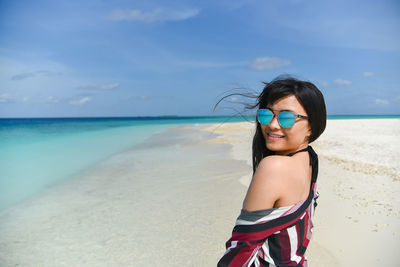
(158,14)
(150,97)
(81,101)
(101,87)
(140,97)
(25,75)
(5,98)
(381,102)
(51,99)
(269,63)
(343,82)
(368,74)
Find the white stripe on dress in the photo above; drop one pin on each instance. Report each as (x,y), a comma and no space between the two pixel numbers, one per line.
(293,238)
(273,215)
(276,213)
(267,257)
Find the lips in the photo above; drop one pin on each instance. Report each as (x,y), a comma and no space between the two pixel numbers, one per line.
(274,136)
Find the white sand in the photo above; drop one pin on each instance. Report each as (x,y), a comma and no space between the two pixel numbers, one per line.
(357,221)
(174,201)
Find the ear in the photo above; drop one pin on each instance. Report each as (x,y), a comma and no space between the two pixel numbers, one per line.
(308,133)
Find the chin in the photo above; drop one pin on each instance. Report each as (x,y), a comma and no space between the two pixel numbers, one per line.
(273,147)
(276,147)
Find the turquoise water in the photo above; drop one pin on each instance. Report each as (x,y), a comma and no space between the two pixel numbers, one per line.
(38,152)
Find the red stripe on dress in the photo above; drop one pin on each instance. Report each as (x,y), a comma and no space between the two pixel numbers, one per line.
(284,243)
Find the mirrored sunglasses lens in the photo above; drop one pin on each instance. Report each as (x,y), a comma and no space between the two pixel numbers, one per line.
(286,119)
(264,116)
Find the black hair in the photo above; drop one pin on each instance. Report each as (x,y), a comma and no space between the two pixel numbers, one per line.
(309,96)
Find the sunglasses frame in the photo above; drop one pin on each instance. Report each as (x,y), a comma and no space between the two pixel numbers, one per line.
(277,115)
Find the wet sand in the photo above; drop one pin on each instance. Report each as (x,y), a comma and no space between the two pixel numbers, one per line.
(169,200)
(174,199)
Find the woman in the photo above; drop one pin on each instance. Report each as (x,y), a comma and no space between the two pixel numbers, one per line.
(274,226)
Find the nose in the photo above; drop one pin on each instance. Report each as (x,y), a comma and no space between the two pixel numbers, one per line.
(274,124)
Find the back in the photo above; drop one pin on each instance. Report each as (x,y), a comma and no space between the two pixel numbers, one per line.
(279,181)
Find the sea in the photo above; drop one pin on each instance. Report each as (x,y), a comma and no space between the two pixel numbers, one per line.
(36,153)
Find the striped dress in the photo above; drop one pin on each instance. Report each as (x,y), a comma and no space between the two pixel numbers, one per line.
(277,236)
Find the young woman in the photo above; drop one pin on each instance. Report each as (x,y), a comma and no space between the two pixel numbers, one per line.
(274,226)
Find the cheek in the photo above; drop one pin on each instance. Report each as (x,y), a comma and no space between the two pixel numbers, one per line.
(300,134)
(263,130)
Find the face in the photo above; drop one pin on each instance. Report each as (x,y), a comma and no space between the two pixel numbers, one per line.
(290,139)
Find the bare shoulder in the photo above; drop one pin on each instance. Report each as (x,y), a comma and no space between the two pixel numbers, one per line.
(274,163)
(268,183)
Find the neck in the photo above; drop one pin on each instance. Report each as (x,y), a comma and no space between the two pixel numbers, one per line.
(287,152)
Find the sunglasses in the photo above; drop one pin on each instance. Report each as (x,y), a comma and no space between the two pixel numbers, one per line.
(286,119)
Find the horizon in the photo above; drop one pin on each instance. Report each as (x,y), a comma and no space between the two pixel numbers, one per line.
(195,116)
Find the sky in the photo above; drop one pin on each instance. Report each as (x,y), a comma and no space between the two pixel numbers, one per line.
(151,58)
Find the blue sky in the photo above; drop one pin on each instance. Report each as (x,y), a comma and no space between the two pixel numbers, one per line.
(149,58)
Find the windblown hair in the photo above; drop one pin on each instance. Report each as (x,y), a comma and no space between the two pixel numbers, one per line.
(309,96)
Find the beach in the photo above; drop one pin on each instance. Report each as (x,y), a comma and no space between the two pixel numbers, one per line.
(174,198)
(357,220)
